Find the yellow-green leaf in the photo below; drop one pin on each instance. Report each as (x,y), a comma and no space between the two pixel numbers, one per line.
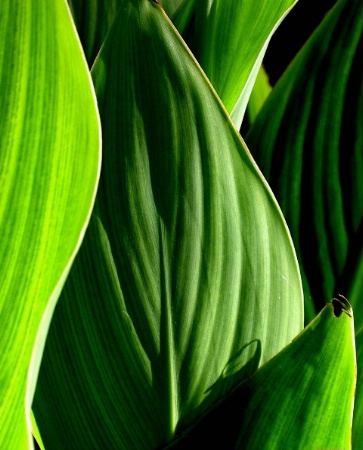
(231,38)
(49,167)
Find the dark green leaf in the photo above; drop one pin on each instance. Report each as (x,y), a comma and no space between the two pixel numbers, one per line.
(187,280)
(93,19)
(308,142)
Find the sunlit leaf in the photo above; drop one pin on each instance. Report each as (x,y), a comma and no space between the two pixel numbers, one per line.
(301,399)
(261,90)
(357,434)
(35,431)
(186,281)
(231,40)
(49,166)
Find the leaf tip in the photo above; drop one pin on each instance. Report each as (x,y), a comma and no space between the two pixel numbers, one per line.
(341,305)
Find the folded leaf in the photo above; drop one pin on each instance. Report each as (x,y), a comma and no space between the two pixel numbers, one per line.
(308,142)
(49,165)
(187,280)
(301,399)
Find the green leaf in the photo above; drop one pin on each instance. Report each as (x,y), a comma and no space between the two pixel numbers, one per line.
(353,272)
(357,432)
(187,280)
(184,16)
(301,399)
(35,431)
(93,20)
(172,6)
(231,40)
(49,165)
(260,92)
(308,142)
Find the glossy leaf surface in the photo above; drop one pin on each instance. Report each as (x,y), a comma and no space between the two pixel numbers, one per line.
(49,167)
(187,280)
(301,399)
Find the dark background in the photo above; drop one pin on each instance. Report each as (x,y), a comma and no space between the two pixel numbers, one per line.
(292,34)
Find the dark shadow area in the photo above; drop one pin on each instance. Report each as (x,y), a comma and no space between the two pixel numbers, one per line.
(220,424)
(292,34)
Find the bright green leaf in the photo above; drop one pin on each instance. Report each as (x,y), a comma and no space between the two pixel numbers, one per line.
(301,399)
(231,40)
(35,431)
(49,165)
(308,142)
(261,90)
(357,434)
(187,280)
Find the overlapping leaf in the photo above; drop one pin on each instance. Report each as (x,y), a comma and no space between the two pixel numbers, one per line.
(187,280)
(260,92)
(93,20)
(231,40)
(301,399)
(49,164)
(308,143)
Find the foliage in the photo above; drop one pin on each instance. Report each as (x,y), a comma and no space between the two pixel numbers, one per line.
(168,308)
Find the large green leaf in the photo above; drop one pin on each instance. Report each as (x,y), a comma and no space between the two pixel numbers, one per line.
(308,142)
(49,166)
(301,399)
(187,280)
(231,39)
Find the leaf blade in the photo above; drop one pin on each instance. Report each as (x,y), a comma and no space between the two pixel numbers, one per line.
(158,278)
(302,398)
(42,216)
(231,41)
